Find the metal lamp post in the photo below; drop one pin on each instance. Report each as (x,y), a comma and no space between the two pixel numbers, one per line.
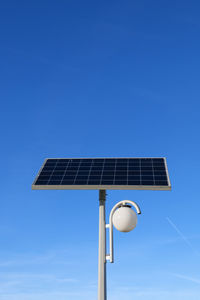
(125,221)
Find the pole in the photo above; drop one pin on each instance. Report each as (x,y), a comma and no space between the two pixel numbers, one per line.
(102,247)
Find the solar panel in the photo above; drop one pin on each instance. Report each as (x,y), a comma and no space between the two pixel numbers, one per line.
(103,173)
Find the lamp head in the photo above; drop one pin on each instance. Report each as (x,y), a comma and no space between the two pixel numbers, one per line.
(125,218)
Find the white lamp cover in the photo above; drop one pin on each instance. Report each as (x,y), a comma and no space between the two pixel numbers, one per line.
(124,219)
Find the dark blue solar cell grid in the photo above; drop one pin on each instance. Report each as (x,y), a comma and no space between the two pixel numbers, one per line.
(112,171)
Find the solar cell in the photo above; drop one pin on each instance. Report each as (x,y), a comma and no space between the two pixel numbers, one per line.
(103,173)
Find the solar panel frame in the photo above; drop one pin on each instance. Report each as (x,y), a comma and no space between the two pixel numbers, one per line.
(107,185)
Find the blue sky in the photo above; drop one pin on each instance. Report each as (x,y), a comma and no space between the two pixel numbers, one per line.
(99,79)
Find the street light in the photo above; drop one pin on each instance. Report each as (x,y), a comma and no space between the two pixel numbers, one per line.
(106,174)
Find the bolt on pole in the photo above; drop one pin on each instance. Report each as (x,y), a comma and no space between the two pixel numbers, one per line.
(102,294)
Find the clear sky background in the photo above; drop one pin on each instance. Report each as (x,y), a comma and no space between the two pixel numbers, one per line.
(99,79)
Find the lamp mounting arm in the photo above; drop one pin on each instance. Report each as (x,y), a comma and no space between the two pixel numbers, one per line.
(110,225)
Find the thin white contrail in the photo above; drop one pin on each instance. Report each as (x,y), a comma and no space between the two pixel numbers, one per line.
(181,235)
(192,279)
